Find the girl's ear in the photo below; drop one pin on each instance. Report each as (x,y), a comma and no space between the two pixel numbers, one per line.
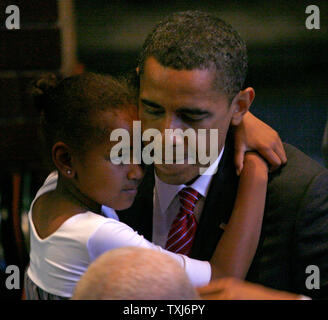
(62,158)
(240,104)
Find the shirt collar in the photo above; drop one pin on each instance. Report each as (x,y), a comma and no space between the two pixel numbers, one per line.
(167,192)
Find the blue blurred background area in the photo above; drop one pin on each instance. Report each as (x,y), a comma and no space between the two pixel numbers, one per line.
(287,62)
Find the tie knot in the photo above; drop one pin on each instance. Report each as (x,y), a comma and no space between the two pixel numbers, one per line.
(189,197)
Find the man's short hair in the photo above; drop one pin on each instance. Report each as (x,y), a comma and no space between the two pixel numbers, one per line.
(198,40)
(133,273)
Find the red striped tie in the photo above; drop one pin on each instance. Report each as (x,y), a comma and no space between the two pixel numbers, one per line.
(183,229)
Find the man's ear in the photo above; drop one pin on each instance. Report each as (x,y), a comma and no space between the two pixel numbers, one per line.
(240,104)
(62,158)
(137,70)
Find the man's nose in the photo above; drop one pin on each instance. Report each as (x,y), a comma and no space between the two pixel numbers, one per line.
(170,121)
(136,172)
(168,126)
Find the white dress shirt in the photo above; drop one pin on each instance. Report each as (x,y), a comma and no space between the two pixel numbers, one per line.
(167,203)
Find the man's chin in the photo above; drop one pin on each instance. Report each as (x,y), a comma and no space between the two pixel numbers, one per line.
(176,173)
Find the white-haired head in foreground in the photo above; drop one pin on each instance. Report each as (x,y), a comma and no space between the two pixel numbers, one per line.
(133,273)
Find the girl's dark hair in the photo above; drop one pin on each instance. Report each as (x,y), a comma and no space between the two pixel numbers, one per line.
(68,106)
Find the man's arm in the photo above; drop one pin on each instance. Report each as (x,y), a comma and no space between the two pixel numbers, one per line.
(311,240)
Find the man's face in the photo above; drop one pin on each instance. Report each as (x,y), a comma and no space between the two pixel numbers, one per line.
(181,99)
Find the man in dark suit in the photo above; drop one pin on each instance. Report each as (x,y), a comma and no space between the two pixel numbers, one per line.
(192,69)
(325,145)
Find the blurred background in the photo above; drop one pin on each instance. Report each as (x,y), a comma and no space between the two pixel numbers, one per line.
(288,68)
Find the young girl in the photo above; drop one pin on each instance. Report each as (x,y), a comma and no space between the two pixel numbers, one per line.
(69,229)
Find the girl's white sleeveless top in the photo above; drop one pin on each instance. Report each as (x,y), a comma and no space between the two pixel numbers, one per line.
(58,261)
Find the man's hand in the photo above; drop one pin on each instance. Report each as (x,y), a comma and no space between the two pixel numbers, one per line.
(254,134)
(234,289)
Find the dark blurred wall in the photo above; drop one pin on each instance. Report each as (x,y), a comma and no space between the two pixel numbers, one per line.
(44,42)
(287,62)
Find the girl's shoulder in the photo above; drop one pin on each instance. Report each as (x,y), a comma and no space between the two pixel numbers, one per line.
(80,224)
(49,184)
(79,227)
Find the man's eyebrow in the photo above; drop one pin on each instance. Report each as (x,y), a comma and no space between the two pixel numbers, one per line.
(188,109)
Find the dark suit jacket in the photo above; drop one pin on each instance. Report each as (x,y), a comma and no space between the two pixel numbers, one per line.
(295,226)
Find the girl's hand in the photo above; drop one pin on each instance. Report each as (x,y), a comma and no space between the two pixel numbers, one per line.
(254,134)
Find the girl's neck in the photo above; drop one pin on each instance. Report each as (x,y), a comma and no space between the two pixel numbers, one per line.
(70,193)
